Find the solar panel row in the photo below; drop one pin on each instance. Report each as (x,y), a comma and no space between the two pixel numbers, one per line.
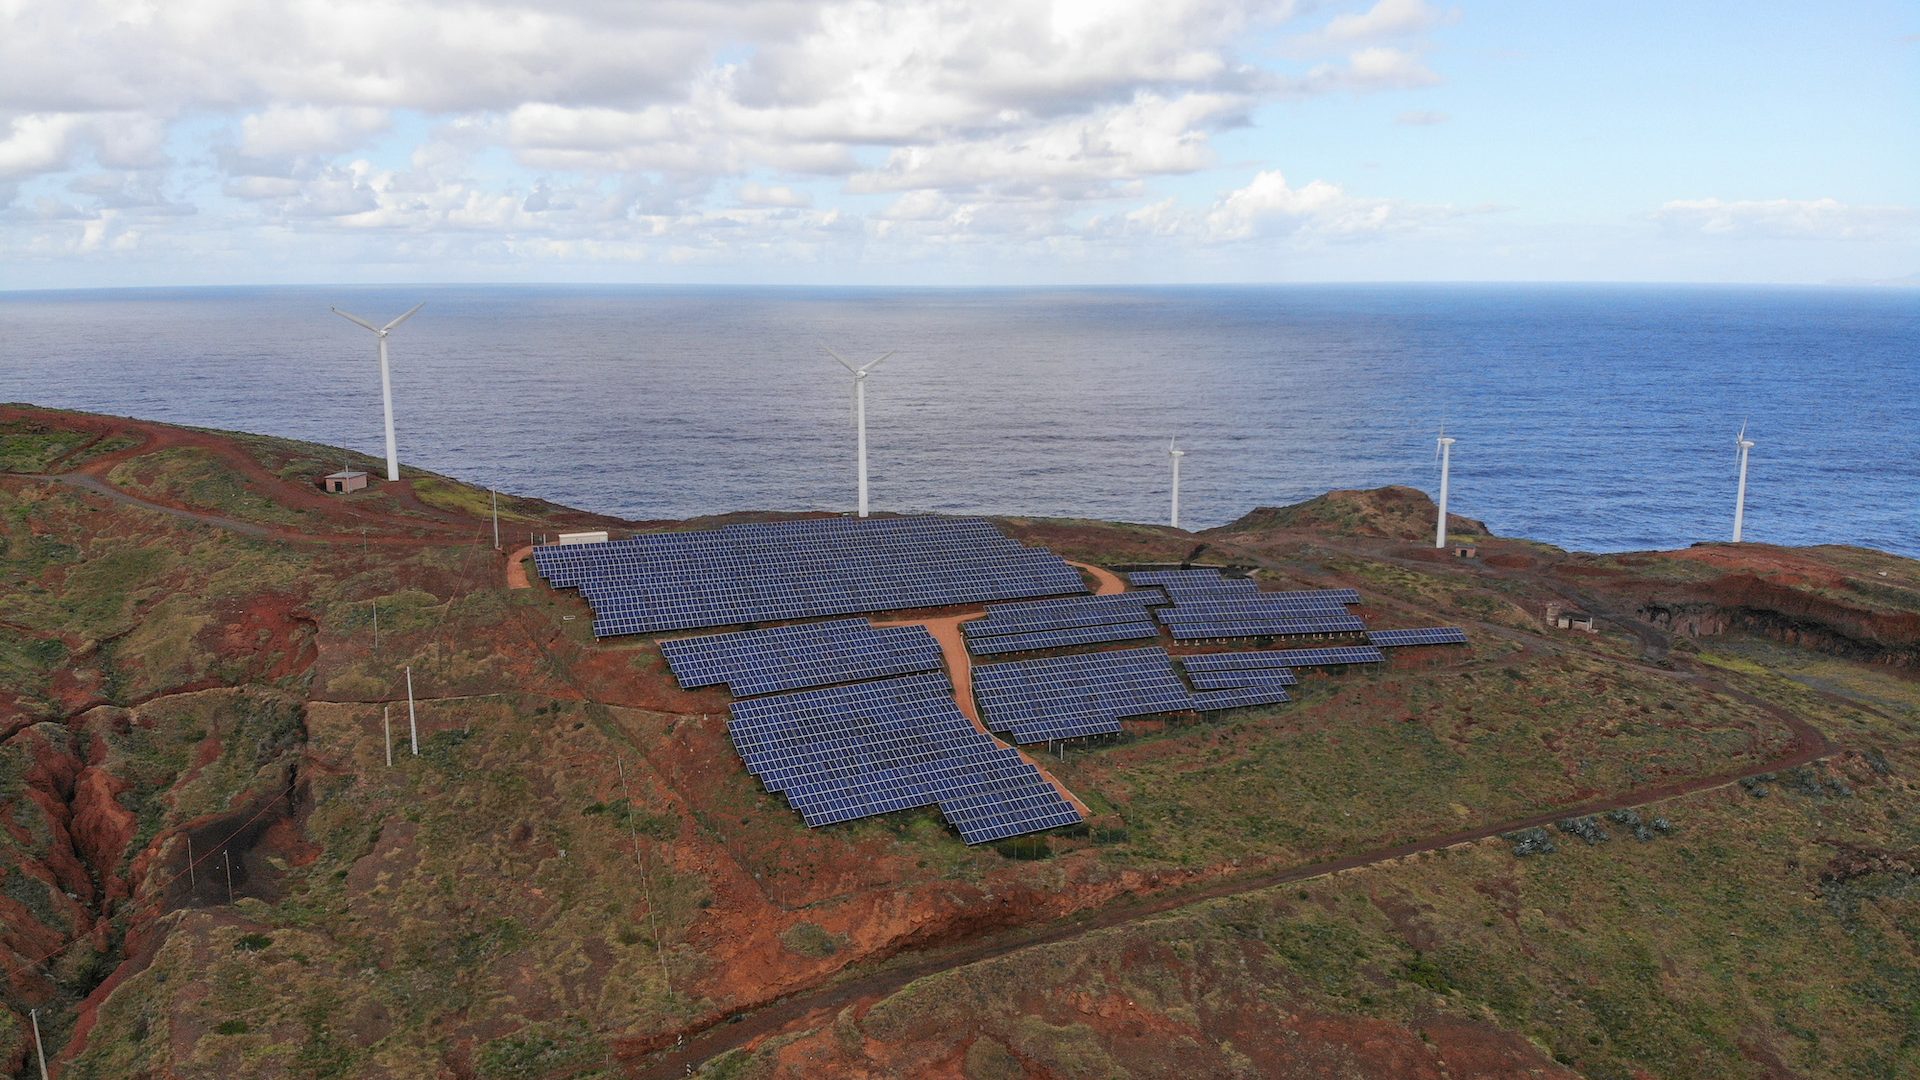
(1211,627)
(1327,657)
(873,748)
(1234,678)
(1142,630)
(1052,624)
(754,662)
(1056,614)
(1433,635)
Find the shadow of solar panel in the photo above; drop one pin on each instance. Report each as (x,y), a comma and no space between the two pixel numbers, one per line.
(1433,635)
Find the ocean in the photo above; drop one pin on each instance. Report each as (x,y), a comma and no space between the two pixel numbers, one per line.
(1599,418)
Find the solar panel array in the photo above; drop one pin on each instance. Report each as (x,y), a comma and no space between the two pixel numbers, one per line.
(1050,624)
(754,662)
(1068,697)
(1207,605)
(1432,635)
(770,572)
(873,748)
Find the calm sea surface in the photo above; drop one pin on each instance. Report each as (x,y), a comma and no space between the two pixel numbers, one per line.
(1600,418)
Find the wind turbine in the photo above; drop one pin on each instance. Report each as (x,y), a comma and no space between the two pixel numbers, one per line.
(1442,449)
(1742,444)
(860,414)
(1175,454)
(386,383)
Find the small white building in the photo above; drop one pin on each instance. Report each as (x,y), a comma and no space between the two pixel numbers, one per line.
(599,537)
(343,481)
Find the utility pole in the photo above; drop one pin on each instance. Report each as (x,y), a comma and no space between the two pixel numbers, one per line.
(192,884)
(386,728)
(413,724)
(496,518)
(34,1015)
(227,854)
(376,624)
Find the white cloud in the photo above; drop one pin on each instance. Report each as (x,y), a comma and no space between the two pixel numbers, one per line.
(1821,219)
(282,130)
(754,194)
(1269,206)
(1421,118)
(682,130)
(37,143)
(1379,67)
(1389,18)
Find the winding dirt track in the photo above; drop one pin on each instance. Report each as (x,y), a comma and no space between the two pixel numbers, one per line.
(719,1036)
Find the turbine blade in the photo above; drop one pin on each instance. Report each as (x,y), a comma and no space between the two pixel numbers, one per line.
(405,317)
(842,359)
(354,318)
(876,363)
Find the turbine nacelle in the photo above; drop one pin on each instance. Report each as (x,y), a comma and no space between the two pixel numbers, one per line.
(380,330)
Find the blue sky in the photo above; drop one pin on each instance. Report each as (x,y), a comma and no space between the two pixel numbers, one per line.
(942,142)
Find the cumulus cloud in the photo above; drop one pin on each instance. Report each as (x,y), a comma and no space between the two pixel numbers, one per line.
(582,128)
(1269,206)
(309,129)
(37,143)
(1389,18)
(1821,219)
(754,194)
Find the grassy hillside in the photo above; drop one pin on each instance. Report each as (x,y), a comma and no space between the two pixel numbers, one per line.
(576,878)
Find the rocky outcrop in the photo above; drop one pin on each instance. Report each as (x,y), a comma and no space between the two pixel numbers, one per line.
(1399,513)
(1755,605)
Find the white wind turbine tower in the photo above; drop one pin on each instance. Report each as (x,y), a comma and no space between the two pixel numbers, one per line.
(1442,449)
(860,415)
(1742,444)
(386,383)
(1175,454)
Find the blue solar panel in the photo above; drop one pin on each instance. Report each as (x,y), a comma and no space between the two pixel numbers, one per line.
(1259,604)
(1435,635)
(1139,630)
(1052,624)
(778,571)
(1067,697)
(895,744)
(1234,678)
(753,662)
(1260,693)
(1344,654)
(1208,627)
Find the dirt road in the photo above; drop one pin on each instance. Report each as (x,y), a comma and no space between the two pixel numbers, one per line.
(717,1036)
